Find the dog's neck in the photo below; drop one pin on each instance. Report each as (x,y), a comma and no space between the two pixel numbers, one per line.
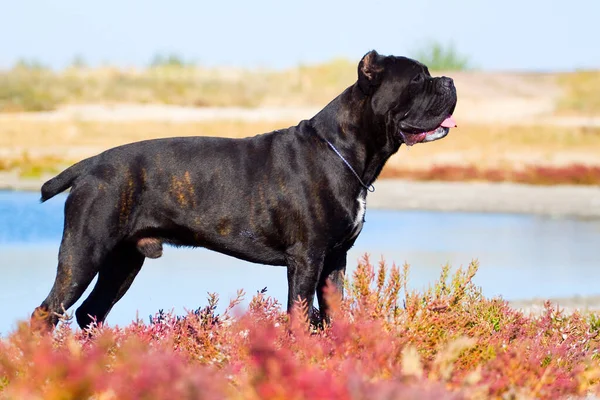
(358,135)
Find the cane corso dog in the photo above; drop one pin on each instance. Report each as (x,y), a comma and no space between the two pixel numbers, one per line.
(294,197)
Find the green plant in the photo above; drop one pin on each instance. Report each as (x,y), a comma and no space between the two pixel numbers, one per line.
(440,57)
(167,60)
(29,64)
(78,62)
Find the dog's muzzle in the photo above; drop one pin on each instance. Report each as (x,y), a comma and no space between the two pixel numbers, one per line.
(438,133)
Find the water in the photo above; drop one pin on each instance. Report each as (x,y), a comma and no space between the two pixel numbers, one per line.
(521,256)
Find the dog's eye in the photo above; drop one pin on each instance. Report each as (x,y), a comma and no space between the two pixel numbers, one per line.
(418,78)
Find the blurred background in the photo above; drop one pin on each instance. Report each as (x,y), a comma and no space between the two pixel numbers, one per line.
(514,186)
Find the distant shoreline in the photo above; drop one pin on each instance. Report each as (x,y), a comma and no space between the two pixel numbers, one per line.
(570,304)
(396,194)
(558,201)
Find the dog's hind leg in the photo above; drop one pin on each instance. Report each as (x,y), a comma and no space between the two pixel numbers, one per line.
(82,251)
(114,279)
(71,281)
(86,242)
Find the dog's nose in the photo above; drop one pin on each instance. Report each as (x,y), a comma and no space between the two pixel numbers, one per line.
(445,83)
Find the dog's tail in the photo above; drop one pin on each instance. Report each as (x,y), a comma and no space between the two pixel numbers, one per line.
(65,179)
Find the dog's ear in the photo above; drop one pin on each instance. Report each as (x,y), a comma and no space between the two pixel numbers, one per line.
(370,69)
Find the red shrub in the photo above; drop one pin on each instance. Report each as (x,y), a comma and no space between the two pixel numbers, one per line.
(385,342)
(574,174)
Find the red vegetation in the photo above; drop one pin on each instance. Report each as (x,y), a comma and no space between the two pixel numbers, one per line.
(575,174)
(384,342)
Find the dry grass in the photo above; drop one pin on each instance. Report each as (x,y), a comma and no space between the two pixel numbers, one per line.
(487,139)
(26,89)
(103,135)
(582,93)
(37,89)
(34,147)
(499,146)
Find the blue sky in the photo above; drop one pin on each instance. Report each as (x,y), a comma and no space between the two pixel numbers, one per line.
(506,35)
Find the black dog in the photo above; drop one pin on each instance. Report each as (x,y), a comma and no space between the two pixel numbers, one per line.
(293,197)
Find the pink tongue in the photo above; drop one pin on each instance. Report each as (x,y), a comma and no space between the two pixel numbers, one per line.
(449,122)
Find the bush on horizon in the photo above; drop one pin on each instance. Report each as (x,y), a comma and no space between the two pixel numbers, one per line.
(440,57)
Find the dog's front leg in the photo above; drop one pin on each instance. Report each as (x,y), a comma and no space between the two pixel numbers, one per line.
(334,270)
(304,268)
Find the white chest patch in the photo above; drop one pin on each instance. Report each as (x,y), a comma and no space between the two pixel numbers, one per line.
(360,214)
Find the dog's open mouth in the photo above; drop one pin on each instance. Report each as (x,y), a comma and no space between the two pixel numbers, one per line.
(430,136)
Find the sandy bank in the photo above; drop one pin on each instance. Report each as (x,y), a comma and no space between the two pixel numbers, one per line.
(559,200)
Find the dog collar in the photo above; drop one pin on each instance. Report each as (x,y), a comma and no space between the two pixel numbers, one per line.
(370,188)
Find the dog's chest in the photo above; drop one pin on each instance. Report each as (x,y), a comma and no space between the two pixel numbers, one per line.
(360,213)
(359,217)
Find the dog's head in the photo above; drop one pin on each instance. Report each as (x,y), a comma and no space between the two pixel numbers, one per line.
(414,106)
